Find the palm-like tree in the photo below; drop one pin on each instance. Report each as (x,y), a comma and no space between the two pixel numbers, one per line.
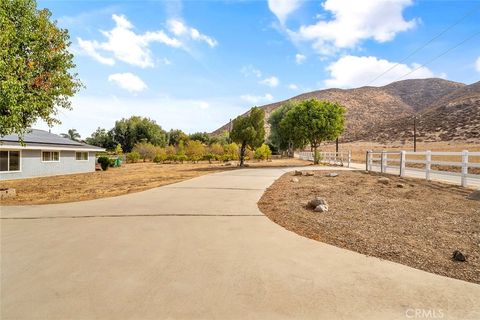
(71,134)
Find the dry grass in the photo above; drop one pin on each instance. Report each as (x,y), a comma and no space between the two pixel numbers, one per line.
(115,181)
(419,225)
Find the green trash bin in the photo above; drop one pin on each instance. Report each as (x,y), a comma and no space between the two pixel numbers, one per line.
(118,162)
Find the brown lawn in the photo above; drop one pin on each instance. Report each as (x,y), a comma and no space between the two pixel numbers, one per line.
(419,224)
(129,178)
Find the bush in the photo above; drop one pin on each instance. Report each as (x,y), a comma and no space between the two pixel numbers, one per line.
(209,156)
(133,156)
(160,155)
(263,152)
(145,150)
(195,150)
(104,162)
(230,152)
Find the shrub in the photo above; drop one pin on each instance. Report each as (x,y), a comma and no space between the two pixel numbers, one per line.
(195,150)
(209,156)
(104,162)
(133,156)
(160,155)
(146,150)
(230,152)
(263,152)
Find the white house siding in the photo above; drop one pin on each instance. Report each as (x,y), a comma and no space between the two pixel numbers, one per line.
(32,166)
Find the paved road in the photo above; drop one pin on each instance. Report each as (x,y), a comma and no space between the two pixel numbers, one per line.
(472,182)
(200,249)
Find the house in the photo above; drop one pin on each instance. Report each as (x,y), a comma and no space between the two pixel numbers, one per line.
(44,154)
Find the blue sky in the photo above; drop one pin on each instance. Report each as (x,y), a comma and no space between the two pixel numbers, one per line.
(193,65)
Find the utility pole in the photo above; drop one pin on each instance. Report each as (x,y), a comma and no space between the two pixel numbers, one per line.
(414,133)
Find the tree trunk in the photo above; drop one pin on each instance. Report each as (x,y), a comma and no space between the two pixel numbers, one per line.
(315,156)
(242,153)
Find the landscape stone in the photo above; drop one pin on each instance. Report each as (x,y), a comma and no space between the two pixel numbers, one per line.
(309,174)
(6,193)
(400,185)
(321,208)
(332,174)
(295,180)
(297,173)
(314,203)
(384,180)
(458,256)
(475,195)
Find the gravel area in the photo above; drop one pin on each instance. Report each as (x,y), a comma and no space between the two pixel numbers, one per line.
(409,221)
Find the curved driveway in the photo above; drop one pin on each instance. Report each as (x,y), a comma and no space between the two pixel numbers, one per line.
(201,249)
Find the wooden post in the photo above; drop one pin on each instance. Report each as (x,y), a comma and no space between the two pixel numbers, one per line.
(367,159)
(402,163)
(464,167)
(349,158)
(428,164)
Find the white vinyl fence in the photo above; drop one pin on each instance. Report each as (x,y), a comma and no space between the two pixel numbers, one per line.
(384,161)
(338,158)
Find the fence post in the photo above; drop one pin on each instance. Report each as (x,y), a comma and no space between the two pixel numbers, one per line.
(464,167)
(402,163)
(428,164)
(382,162)
(367,159)
(349,158)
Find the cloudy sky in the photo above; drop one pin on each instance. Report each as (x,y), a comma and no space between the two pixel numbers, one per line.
(194,65)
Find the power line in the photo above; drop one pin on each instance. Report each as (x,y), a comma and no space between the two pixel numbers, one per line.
(469,13)
(441,54)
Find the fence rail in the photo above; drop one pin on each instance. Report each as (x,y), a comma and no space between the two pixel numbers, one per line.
(338,158)
(381,159)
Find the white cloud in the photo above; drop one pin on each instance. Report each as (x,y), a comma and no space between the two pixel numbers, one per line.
(270,81)
(353,71)
(180,29)
(250,70)
(293,86)
(283,8)
(353,22)
(128,81)
(126,45)
(477,64)
(300,58)
(257,99)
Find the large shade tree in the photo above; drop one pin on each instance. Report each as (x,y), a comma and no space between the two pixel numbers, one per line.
(249,131)
(36,78)
(312,122)
(278,137)
(129,132)
(101,138)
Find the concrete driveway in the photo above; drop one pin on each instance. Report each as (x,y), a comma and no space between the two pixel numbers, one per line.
(201,249)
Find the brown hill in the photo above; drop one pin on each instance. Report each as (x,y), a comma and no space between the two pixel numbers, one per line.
(369,107)
(455,117)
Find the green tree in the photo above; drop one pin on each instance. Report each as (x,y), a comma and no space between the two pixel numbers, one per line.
(230,152)
(249,131)
(203,137)
(312,122)
(71,134)
(175,136)
(101,138)
(133,130)
(222,138)
(35,67)
(118,150)
(278,137)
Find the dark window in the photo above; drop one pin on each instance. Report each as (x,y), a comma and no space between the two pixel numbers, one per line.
(9,160)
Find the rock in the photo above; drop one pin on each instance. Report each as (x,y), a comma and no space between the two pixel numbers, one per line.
(332,174)
(295,180)
(297,173)
(321,208)
(6,193)
(475,195)
(384,180)
(227,164)
(314,203)
(458,256)
(399,185)
(309,174)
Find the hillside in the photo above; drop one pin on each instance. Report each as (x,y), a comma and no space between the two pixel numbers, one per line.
(375,113)
(455,117)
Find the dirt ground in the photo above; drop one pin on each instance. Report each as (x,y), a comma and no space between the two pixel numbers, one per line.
(419,224)
(129,178)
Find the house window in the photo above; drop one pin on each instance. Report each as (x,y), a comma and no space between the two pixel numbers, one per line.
(9,161)
(81,156)
(50,156)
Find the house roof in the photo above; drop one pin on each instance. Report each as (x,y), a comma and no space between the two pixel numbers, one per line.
(41,139)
